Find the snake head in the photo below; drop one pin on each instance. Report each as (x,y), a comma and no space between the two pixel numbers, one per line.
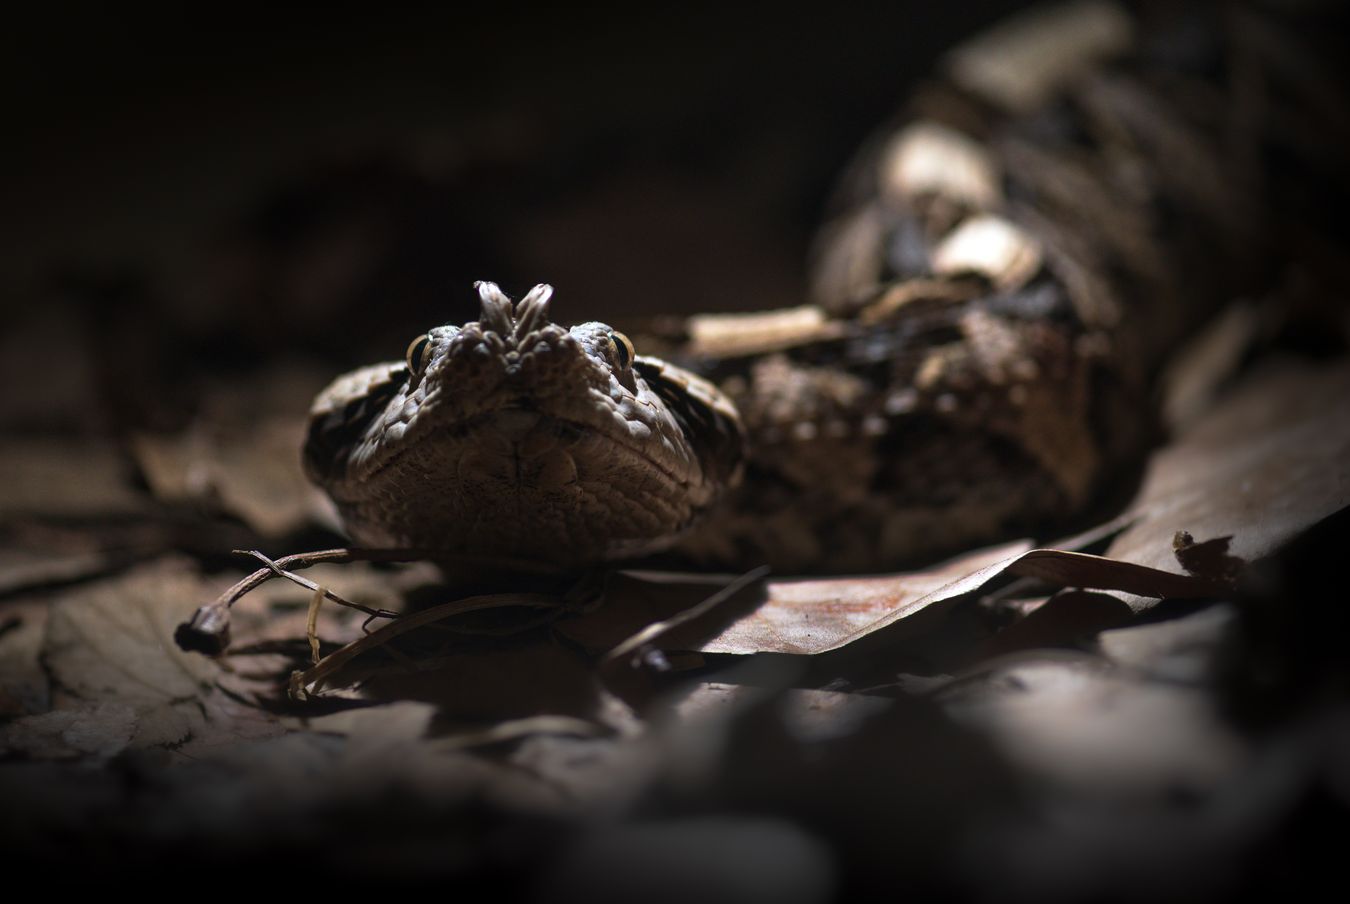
(515,434)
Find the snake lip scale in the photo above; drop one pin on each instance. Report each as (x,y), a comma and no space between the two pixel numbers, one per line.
(469,430)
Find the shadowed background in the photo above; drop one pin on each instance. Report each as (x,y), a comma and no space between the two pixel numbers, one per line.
(632,156)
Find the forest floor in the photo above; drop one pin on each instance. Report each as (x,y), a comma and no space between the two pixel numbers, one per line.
(1154,709)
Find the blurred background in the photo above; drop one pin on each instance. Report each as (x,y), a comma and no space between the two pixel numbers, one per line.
(251,182)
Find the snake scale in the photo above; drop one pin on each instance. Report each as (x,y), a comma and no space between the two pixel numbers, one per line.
(1005,268)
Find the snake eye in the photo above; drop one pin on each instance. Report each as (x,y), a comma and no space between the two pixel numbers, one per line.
(419,351)
(623,349)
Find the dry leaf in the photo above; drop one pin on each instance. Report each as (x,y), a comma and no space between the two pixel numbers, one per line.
(112,642)
(92,730)
(1271,460)
(242,455)
(790,616)
(812,616)
(250,471)
(815,616)
(1065,619)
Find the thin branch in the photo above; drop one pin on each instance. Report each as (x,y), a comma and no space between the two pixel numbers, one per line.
(656,629)
(317,673)
(321,591)
(208,631)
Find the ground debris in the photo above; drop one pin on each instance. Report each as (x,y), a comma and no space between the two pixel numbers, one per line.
(240,456)
(537,715)
(1271,459)
(1153,709)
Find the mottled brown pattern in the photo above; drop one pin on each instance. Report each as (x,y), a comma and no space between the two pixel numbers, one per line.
(1003,277)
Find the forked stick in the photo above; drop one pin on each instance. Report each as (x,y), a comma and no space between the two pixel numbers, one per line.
(208,630)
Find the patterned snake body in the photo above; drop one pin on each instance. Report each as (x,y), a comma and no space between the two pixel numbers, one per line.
(1002,278)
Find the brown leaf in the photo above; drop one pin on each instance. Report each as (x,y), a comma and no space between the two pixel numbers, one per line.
(812,616)
(1060,568)
(1065,619)
(97,730)
(1271,460)
(252,472)
(788,616)
(111,642)
(817,615)
(242,456)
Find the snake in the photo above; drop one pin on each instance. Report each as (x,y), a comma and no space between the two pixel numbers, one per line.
(1002,273)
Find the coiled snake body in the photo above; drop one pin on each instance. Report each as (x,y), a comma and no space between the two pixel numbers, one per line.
(1004,272)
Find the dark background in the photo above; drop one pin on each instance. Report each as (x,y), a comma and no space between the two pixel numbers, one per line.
(664,158)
